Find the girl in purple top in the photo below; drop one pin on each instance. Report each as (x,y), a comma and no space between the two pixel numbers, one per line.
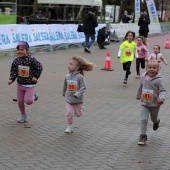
(27,70)
(142,54)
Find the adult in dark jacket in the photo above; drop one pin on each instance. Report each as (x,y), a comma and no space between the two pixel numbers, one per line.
(125,17)
(89,24)
(103,33)
(143,24)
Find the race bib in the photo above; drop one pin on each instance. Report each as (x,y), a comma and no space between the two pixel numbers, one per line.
(128,52)
(139,50)
(23,71)
(71,86)
(147,95)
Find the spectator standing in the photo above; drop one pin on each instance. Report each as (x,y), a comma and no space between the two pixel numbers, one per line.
(89,24)
(125,17)
(143,24)
(52,13)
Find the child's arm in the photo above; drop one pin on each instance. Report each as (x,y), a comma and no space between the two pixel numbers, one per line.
(119,53)
(38,67)
(146,52)
(136,53)
(150,57)
(82,88)
(163,60)
(13,73)
(162,93)
(139,91)
(64,87)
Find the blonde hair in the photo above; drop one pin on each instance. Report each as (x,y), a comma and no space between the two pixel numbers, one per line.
(156,62)
(84,65)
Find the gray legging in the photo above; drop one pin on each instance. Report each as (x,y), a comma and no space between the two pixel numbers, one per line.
(145,111)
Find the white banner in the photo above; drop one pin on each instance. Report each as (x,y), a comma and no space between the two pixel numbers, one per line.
(40,34)
(137,10)
(122,29)
(152,11)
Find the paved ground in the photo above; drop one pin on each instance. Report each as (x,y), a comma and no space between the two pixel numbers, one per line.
(104,138)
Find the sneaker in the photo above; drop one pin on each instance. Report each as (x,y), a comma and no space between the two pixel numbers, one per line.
(22,118)
(87,49)
(138,76)
(142,140)
(69,129)
(156,125)
(99,46)
(125,81)
(103,47)
(36,96)
(15,100)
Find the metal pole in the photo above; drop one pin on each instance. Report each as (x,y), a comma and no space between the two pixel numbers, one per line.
(162,10)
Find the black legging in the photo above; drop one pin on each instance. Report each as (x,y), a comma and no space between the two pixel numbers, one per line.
(126,67)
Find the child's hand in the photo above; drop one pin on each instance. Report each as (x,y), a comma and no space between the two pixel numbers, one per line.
(10,82)
(34,79)
(138,98)
(160,101)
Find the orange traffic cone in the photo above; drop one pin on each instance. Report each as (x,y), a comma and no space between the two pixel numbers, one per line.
(107,65)
(167,43)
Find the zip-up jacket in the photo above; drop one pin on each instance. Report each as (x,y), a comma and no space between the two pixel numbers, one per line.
(158,57)
(24,69)
(142,51)
(154,88)
(89,23)
(74,87)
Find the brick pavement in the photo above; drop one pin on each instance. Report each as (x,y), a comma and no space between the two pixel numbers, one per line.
(104,138)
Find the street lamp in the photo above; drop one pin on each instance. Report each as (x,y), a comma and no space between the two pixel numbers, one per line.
(162,9)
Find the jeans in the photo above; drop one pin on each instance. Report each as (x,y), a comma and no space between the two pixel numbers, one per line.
(89,39)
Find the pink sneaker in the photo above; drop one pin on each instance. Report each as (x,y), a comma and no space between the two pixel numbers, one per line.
(138,76)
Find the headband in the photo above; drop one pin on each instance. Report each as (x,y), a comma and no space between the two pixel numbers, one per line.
(21,43)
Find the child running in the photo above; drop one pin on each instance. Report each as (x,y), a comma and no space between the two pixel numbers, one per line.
(126,53)
(27,70)
(156,55)
(74,87)
(142,54)
(152,93)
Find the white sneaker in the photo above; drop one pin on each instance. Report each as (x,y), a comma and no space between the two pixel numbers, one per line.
(69,129)
(22,118)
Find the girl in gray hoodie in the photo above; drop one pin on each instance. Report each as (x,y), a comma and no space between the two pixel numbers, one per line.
(152,93)
(74,87)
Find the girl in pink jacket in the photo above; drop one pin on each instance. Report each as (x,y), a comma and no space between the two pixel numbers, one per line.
(156,55)
(142,53)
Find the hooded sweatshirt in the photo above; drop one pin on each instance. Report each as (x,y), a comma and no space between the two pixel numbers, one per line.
(150,90)
(89,23)
(74,87)
(158,57)
(142,51)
